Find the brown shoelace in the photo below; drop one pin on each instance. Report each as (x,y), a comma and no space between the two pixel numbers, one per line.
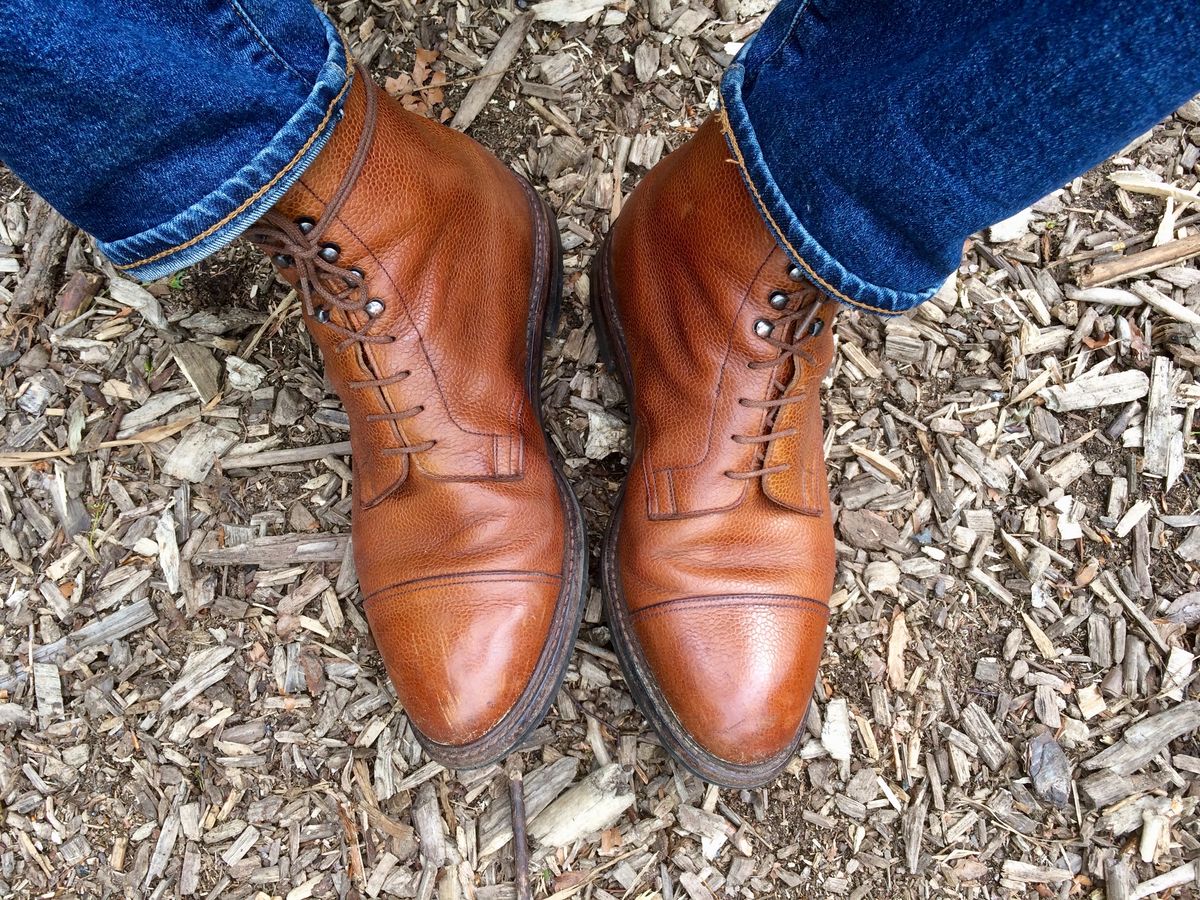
(804,323)
(323,284)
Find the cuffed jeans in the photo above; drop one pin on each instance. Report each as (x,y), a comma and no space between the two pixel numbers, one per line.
(874,135)
(165,128)
(877,135)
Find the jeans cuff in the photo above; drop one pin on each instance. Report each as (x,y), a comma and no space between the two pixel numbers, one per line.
(219,218)
(826,272)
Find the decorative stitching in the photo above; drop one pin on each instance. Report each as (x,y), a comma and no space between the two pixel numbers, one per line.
(773,601)
(212,229)
(261,38)
(792,26)
(460,578)
(740,161)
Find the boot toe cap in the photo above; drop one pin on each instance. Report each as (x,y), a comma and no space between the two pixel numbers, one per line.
(736,671)
(461,649)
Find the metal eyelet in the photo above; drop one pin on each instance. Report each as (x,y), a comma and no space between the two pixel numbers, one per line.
(321,315)
(778,300)
(816,327)
(795,274)
(763,328)
(283,260)
(374,307)
(330,252)
(305,224)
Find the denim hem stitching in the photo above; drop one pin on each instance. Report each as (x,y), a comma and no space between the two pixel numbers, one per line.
(261,38)
(291,164)
(791,29)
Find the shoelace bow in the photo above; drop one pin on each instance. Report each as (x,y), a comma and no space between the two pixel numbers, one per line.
(324,285)
(806,324)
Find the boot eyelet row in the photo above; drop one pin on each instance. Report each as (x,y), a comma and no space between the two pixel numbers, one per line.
(305,224)
(374,307)
(778,300)
(330,252)
(763,328)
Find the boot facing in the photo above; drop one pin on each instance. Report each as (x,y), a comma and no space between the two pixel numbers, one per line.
(428,272)
(719,564)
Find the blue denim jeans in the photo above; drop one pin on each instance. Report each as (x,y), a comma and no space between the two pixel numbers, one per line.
(165,128)
(875,135)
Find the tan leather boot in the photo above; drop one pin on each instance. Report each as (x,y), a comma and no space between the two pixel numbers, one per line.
(719,561)
(428,273)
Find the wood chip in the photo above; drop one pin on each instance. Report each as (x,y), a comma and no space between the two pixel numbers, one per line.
(589,806)
(1106,390)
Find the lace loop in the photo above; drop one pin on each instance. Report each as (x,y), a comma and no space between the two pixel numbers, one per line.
(298,244)
(324,285)
(803,322)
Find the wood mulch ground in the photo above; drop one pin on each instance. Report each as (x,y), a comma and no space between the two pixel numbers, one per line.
(190,704)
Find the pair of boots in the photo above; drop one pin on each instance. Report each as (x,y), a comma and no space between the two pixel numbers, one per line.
(430,276)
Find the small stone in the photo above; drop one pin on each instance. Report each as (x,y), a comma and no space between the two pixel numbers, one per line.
(243,375)
(988,669)
(1014,227)
(606,433)
(1049,768)
(289,407)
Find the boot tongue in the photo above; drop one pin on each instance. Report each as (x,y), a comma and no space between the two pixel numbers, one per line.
(802,485)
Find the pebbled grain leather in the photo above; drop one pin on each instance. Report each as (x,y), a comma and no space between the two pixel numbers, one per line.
(467,543)
(718,586)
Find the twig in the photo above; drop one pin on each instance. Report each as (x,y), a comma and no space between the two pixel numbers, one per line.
(276,315)
(493,70)
(1141,263)
(285,457)
(278,551)
(148,436)
(516,793)
(44,246)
